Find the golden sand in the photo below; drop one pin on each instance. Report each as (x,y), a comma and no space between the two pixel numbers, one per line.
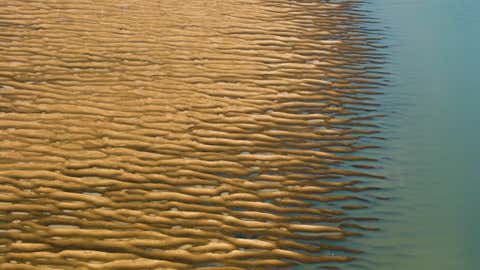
(142,134)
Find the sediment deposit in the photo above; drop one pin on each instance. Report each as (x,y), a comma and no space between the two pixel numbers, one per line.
(184,134)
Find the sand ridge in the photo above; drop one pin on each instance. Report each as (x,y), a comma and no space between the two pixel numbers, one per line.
(202,135)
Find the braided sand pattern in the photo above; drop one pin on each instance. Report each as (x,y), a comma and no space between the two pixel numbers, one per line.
(161,134)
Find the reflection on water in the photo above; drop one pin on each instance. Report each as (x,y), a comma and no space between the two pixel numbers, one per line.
(208,135)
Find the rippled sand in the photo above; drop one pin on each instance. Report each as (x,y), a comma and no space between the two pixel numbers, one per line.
(183,134)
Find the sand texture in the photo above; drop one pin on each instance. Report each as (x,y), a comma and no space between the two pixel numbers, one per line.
(192,134)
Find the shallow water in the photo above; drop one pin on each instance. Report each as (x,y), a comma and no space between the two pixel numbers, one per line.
(214,135)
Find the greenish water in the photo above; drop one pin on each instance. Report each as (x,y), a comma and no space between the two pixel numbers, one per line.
(432,149)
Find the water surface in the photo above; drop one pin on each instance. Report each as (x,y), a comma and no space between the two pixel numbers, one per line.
(433,165)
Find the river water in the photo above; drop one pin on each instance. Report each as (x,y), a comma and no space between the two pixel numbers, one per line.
(433,165)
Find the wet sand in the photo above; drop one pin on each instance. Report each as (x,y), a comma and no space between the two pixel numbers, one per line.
(208,135)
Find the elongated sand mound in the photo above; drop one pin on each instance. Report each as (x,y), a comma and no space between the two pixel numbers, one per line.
(142,134)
